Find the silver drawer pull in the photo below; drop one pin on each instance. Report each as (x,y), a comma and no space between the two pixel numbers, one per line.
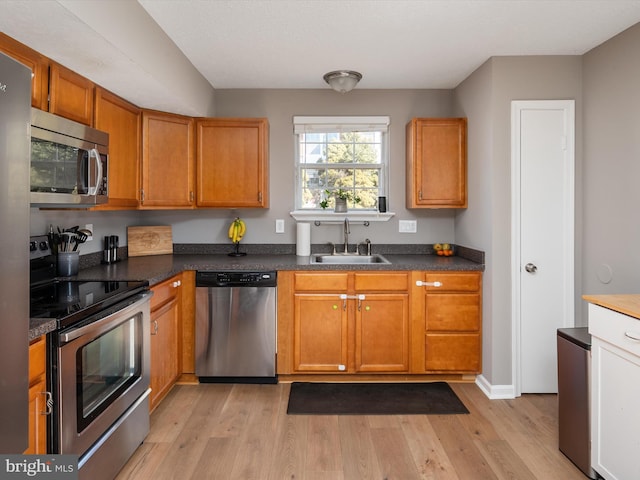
(420,283)
(632,336)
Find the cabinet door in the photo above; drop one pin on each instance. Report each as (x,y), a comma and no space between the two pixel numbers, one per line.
(38,394)
(436,163)
(37,418)
(615,388)
(320,333)
(165,337)
(71,95)
(167,161)
(382,333)
(232,163)
(460,352)
(121,120)
(164,350)
(38,64)
(453,312)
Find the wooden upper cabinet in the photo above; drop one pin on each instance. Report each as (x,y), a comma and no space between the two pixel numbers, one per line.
(232,162)
(38,64)
(71,95)
(167,161)
(436,163)
(122,121)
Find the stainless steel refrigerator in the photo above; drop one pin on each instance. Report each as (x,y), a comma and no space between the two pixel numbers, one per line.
(15,107)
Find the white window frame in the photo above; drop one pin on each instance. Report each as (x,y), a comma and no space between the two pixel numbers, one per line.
(330,124)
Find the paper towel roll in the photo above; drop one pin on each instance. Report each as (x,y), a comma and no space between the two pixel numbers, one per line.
(303,240)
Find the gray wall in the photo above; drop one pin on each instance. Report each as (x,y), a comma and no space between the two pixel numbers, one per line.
(485,98)
(611,197)
(279,106)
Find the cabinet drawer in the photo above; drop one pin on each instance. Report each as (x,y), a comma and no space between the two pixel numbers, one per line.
(387,282)
(616,328)
(453,353)
(165,291)
(453,312)
(327,282)
(456,282)
(37,355)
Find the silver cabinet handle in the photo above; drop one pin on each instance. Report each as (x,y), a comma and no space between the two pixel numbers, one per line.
(344,297)
(632,336)
(420,283)
(531,268)
(48,402)
(155,328)
(176,284)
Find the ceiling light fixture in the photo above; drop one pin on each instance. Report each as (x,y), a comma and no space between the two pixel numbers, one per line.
(342,81)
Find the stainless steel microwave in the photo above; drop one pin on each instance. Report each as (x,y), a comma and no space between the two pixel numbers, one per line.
(69,162)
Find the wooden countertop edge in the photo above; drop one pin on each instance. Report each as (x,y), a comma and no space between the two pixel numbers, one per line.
(629,304)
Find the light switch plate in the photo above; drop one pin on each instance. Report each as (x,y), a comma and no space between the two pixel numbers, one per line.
(280,225)
(407,226)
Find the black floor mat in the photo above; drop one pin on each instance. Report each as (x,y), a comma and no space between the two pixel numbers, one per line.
(434,398)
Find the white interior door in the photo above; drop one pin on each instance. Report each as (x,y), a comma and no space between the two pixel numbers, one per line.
(542,239)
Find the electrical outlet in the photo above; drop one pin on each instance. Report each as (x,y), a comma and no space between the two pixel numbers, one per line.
(89,226)
(279,225)
(407,226)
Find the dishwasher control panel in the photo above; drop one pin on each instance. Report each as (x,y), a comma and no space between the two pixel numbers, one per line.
(236,279)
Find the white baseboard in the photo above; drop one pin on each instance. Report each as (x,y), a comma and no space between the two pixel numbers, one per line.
(495,392)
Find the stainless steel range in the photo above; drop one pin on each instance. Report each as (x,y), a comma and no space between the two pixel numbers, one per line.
(98,362)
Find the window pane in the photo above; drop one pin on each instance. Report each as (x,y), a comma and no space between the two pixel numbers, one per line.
(358,159)
(366,153)
(313,153)
(311,197)
(314,178)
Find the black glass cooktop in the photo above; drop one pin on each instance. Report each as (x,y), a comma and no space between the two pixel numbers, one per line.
(70,301)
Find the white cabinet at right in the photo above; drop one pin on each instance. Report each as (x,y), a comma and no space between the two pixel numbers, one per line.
(615,394)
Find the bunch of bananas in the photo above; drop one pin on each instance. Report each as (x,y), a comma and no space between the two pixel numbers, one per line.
(237,230)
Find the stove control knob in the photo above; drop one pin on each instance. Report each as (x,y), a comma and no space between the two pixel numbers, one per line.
(44,245)
(33,246)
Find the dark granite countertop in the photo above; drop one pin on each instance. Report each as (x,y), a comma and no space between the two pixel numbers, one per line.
(156,268)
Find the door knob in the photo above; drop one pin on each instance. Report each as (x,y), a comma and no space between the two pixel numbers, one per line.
(530,267)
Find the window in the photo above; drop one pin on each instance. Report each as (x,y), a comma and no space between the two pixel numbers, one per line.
(340,153)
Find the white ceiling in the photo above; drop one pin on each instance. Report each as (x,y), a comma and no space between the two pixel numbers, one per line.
(395,44)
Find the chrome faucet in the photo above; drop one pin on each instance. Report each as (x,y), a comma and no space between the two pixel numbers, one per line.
(346,235)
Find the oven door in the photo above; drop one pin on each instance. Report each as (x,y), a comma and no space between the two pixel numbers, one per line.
(102,368)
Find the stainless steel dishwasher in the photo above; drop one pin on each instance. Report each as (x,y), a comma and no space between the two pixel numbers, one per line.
(236,327)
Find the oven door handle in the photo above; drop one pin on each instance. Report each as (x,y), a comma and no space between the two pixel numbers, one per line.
(107,323)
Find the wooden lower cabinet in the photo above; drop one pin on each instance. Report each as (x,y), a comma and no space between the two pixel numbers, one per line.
(382,333)
(373,323)
(452,321)
(165,338)
(38,395)
(349,323)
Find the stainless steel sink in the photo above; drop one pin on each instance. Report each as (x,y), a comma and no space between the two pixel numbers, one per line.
(347,259)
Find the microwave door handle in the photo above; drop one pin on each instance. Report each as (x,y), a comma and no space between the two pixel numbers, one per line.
(95,154)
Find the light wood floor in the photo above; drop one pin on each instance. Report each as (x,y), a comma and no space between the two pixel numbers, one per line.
(217,431)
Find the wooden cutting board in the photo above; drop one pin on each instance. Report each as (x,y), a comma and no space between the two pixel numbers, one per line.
(149,241)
